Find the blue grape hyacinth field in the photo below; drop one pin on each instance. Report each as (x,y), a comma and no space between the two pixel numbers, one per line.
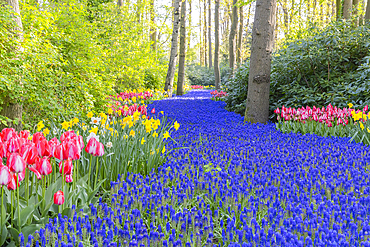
(230,183)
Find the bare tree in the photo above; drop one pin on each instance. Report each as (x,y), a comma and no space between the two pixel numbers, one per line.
(205,33)
(120,3)
(173,54)
(367,14)
(181,73)
(232,40)
(217,45)
(11,108)
(257,107)
(153,30)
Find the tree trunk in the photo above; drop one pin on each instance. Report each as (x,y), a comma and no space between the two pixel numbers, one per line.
(367,14)
(200,36)
(190,27)
(338,5)
(347,7)
(355,12)
(257,107)
(120,3)
(217,45)
(205,34)
(10,107)
(232,40)
(284,6)
(173,55)
(153,30)
(181,73)
(240,37)
(209,34)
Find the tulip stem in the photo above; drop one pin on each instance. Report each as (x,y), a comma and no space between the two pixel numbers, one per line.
(90,171)
(27,185)
(11,211)
(62,181)
(97,171)
(43,191)
(56,169)
(19,212)
(2,211)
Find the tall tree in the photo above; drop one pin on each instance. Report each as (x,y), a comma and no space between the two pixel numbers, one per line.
(209,34)
(217,45)
(120,3)
(338,5)
(11,107)
(367,13)
(201,50)
(355,12)
(181,73)
(257,107)
(232,39)
(173,53)
(205,33)
(153,30)
(190,25)
(347,7)
(240,37)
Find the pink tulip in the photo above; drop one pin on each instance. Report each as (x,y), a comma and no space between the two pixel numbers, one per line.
(37,137)
(69,178)
(91,146)
(4,175)
(100,150)
(153,111)
(34,170)
(16,163)
(12,145)
(12,185)
(24,134)
(59,197)
(43,148)
(58,152)
(2,150)
(29,153)
(66,166)
(68,135)
(44,166)
(7,133)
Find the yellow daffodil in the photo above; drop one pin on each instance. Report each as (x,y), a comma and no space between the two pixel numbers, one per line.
(164,149)
(125,108)
(166,135)
(65,125)
(350,105)
(90,115)
(110,111)
(30,137)
(119,112)
(368,130)
(176,125)
(94,130)
(143,117)
(134,99)
(40,125)
(76,120)
(151,152)
(161,112)
(155,134)
(362,126)
(132,133)
(84,127)
(46,131)
(142,141)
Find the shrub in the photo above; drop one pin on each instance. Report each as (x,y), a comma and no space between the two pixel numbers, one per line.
(328,66)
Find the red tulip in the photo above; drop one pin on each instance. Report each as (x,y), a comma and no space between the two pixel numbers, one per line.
(43,148)
(153,111)
(71,149)
(4,175)
(59,197)
(37,137)
(7,133)
(58,152)
(68,135)
(43,166)
(34,170)
(24,134)
(16,163)
(2,150)
(66,166)
(99,150)
(12,185)
(29,153)
(12,145)
(91,146)
(52,144)
(81,142)
(69,178)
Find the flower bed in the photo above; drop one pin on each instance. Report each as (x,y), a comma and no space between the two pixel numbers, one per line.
(326,121)
(235,184)
(218,95)
(196,87)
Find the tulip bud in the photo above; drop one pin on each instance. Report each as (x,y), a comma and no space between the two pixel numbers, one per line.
(7,133)
(59,197)
(99,150)
(24,134)
(58,152)
(43,148)
(153,111)
(12,185)
(91,146)
(34,170)
(69,178)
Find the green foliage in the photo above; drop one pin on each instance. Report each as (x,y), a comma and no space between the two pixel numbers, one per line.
(329,65)
(199,75)
(75,54)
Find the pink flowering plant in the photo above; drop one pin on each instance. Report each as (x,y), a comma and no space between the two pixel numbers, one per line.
(218,95)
